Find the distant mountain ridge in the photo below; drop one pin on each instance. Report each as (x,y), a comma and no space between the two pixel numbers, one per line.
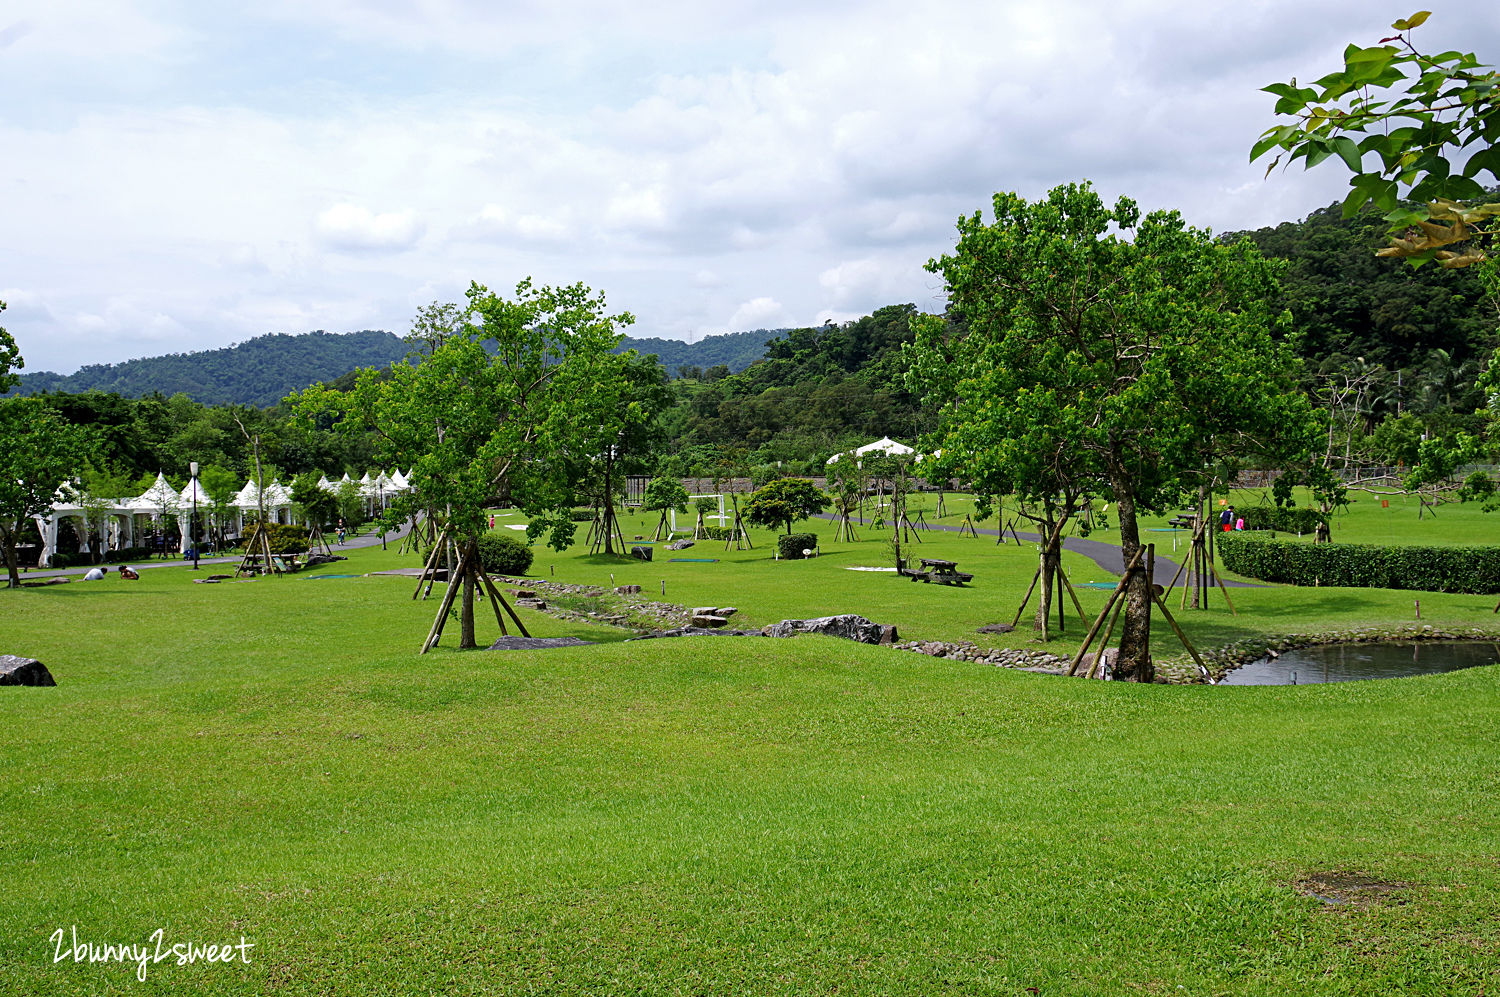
(736,350)
(263,370)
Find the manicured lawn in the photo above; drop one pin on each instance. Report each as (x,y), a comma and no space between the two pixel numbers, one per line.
(766,590)
(271,759)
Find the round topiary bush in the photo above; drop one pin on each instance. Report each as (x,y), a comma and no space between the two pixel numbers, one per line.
(502,554)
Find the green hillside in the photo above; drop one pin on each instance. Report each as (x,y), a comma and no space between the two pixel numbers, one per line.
(735,350)
(260,371)
(263,370)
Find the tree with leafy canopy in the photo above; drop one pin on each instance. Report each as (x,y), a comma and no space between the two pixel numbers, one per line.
(1087,344)
(617,404)
(434,325)
(38,452)
(1419,115)
(317,505)
(493,413)
(10,358)
(784,501)
(220,486)
(664,495)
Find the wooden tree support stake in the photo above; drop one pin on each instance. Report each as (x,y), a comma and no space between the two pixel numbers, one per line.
(1162,605)
(1097,665)
(499,599)
(430,566)
(446,604)
(1035,576)
(1108,605)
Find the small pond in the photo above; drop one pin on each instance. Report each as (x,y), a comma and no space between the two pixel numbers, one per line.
(1351,662)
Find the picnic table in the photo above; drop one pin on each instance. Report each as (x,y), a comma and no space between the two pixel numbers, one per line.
(936,570)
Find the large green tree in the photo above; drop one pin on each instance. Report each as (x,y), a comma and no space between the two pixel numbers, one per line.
(38,452)
(10,358)
(1429,120)
(1087,345)
(495,412)
(784,501)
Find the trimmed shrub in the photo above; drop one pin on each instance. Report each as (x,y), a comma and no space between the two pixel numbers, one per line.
(719,532)
(285,538)
(791,545)
(502,554)
(1473,570)
(1271,517)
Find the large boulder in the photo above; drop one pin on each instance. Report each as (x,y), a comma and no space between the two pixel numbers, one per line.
(23,671)
(680,544)
(848,626)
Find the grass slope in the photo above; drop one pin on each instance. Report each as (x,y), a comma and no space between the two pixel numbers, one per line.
(271,760)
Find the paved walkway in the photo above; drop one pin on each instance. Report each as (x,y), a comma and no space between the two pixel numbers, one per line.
(1107,556)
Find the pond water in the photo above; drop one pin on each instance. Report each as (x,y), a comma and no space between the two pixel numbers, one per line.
(1351,662)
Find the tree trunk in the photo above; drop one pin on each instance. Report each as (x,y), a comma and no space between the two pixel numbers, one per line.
(466,641)
(1044,595)
(13,571)
(1134,663)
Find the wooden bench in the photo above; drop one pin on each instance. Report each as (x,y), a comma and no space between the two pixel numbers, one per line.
(942,572)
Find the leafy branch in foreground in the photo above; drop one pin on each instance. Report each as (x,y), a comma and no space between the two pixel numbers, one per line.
(1420,115)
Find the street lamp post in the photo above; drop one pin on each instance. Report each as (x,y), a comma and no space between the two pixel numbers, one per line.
(193,533)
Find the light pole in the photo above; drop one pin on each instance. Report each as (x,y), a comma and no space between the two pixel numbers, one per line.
(193,532)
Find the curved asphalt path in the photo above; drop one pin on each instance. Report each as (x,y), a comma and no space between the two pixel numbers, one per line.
(1106,556)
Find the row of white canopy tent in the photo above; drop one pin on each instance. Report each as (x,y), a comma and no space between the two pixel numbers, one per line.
(883,446)
(162,500)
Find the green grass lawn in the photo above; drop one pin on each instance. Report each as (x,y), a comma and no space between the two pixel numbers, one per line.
(725,815)
(766,590)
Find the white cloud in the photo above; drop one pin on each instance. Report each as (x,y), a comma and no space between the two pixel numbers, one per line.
(355,227)
(774,163)
(759,313)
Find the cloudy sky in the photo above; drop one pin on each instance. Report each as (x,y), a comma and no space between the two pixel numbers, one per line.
(179,175)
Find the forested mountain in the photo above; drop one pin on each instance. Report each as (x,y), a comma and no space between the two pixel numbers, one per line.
(1347,303)
(817,391)
(734,350)
(260,371)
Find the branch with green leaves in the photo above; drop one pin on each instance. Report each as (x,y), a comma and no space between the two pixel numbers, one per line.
(1429,121)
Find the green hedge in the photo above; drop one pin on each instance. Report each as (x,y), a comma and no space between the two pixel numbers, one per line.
(1270,517)
(718,532)
(791,545)
(1425,569)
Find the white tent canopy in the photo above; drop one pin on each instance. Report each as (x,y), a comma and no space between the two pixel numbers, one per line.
(884,445)
(159,496)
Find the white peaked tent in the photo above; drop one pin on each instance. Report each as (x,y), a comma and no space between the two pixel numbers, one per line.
(159,496)
(185,497)
(884,445)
